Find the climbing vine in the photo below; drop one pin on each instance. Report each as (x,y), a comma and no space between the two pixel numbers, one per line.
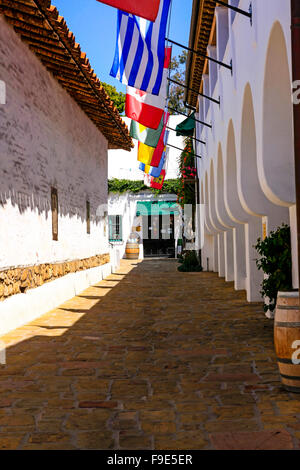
(188,175)
(122,186)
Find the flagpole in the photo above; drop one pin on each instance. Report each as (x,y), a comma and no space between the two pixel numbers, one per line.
(248,13)
(194,91)
(186,115)
(169,25)
(182,150)
(200,54)
(190,137)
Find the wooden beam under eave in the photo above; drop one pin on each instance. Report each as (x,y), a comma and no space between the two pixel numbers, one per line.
(31,20)
(21,7)
(81,86)
(46,52)
(24,26)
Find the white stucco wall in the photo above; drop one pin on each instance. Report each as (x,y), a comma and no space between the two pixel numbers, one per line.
(45,140)
(126,205)
(251,141)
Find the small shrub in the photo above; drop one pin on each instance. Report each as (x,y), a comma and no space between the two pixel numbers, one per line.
(275,261)
(189,263)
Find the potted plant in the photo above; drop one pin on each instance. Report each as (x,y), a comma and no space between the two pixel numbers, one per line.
(276,262)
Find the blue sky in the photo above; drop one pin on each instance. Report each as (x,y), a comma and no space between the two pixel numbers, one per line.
(94,26)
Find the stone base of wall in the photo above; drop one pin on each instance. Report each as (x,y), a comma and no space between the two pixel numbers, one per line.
(17,310)
(19,280)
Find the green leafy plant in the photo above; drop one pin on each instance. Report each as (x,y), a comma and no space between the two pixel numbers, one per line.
(276,262)
(176,92)
(122,186)
(189,262)
(188,173)
(118,98)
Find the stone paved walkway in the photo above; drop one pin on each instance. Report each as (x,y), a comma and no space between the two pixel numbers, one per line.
(149,358)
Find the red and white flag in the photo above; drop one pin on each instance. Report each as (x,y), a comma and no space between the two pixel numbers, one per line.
(145,108)
(147,9)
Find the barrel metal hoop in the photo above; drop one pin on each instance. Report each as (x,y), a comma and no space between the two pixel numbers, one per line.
(290,377)
(287,307)
(289,388)
(283,324)
(283,360)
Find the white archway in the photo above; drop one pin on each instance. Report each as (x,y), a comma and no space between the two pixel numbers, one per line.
(276,160)
(252,197)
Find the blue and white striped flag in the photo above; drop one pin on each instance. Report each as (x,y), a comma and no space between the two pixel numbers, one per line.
(140,50)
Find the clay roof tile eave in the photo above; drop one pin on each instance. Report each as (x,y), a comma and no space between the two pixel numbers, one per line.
(55,46)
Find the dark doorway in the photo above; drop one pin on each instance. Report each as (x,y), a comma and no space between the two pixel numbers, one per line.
(158,236)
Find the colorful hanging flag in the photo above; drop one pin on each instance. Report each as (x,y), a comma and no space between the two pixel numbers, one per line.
(146,135)
(157,183)
(143,8)
(145,153)
(187,127)
(156,171)
(152,170)
(147,180)
(149,155)
(145,108)
(140,50)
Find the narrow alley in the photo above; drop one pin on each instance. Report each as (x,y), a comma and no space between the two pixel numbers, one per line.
(149,358)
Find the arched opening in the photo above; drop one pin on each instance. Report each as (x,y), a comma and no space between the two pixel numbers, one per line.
(215,266)
(276,161)
(220,192)
(252,198)
(231,197)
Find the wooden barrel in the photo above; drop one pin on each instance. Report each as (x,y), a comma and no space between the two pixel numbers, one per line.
(132,250)
(287,339)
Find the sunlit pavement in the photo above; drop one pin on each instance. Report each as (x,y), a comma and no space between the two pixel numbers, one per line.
(149,358)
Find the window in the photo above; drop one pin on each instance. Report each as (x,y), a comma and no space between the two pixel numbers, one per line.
(88,217)
(54,209)
(115,228)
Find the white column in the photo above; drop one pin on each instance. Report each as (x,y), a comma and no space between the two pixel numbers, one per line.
(207,253)
(253,231)
(221,254)
(229,262)
(239,256)
(216,254)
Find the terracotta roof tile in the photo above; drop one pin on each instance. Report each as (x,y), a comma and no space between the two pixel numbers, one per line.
(201,25)
(46,33)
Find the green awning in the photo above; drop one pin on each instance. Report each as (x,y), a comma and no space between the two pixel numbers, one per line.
(186,128)
(156,208)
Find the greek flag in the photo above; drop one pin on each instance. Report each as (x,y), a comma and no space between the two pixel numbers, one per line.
(140,50)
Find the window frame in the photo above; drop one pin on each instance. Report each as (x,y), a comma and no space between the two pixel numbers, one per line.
(115,224)
(54,211)
(88,217)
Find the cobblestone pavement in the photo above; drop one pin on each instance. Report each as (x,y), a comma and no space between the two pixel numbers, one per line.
(149,358)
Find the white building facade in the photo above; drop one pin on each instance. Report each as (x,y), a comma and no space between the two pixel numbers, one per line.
(124,165)
(246,175)
(53,169)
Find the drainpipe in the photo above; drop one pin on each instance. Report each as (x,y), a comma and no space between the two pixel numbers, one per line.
(295,29)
